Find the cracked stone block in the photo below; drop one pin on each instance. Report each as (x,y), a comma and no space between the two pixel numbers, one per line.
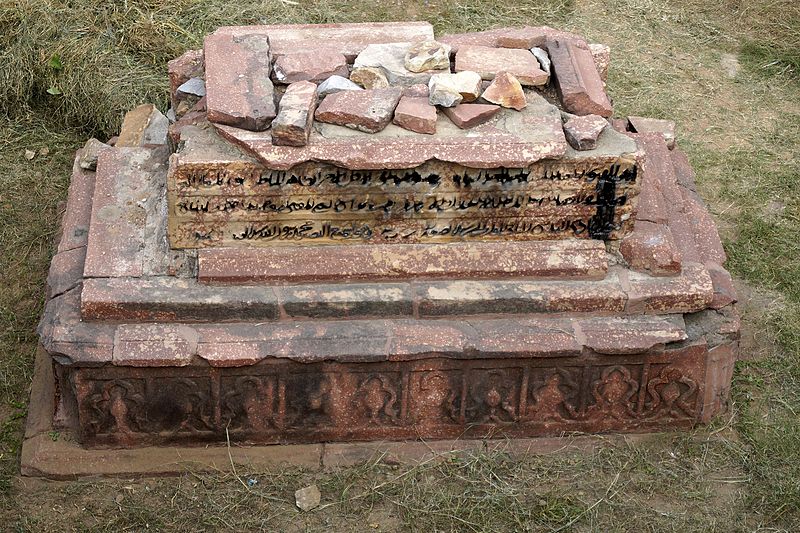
(582,132)
(470,115)
(415,113)
(489,61)
(292,126)
(315,66)
(369,110)
(578,82)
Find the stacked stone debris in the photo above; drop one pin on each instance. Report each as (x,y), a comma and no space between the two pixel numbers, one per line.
(363,232)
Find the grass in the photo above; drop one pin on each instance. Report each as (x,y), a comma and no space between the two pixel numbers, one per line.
(69,70)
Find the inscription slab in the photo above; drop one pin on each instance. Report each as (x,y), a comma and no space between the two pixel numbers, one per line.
(247,204)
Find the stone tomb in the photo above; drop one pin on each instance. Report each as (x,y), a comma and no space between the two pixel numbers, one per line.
(485,282)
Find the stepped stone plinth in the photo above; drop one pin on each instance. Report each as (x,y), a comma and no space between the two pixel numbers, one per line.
(486,281)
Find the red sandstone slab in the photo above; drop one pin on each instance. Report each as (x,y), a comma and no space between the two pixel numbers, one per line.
(578,82)
(506,37)
(584,259)
(238,87)
(415,113)
(151,345)
(119,213)
(689,292)
(488,62)
(470,115)
(347,39)
(78,212)
(315,66)
(66,271)
(629,335)
(513,140)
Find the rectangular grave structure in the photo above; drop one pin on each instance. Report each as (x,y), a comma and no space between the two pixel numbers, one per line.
(487,282)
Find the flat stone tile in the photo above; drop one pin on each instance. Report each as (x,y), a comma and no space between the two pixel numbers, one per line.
(629,335)
(123,198)
(526,338)
(348,300)
(66,271)
(169,299)
(533,259)
(154,345)
(315,66)
(689,292)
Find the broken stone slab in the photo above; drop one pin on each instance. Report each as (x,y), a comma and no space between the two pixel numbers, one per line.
(470,115)
(88,156)
(601,53)
(544,60)
(655,125)
(582,132)
(193,86)
(239,91)
(428,55)
(415,113)
(489,61)
(524,37)
(369,110)
(336,84)
(390,58)
(292,126)
(506,91)
(314,66)
(143,125)
(448,90)
(578,82)
(369,78)
(348,39)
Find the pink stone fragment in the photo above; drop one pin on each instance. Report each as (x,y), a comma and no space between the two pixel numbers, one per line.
(470,115)
(489,61)
(506,91)
(651,248)
(578,82)
(415,113)
(582,132)
(316,66)
(369,110)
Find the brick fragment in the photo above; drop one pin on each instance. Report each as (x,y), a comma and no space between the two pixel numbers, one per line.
(470,115)
(489,61)
(239,91)
(578,82)
(292,126)
(416,114)
(315,66)
(369,110)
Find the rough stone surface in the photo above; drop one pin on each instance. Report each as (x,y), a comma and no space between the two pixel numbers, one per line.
(390,59)
(505,91)
(336,84)
(314,66)
(427,55)
(536,259)
(143,125)
(91,150)
(419,90)
(448,90)
(193,86)
(369,110)
(578,82)
(544,60)
(292,126)
(239,91)
(601,53)
(369,78)
(489,61)
(655,125)
(582,132)
(650,248)
(415,113)
(470,115)
(307,498)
